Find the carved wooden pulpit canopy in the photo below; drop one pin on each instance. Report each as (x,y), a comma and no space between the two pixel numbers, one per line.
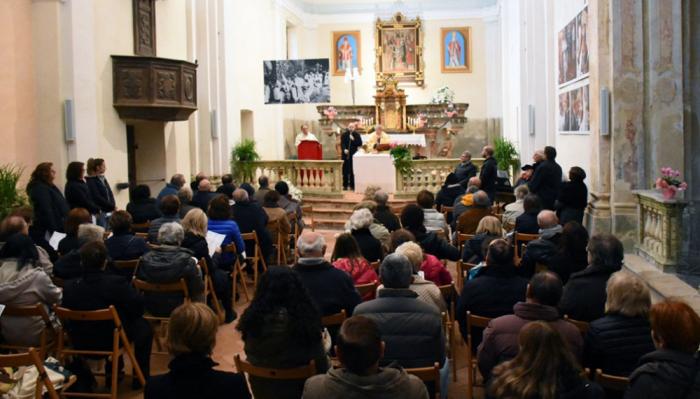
(390,106)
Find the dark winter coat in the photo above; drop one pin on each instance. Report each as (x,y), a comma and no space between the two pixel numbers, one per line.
(546,183)
(435,245)
(101,193)
(331,289)
(465,171)
(572,202)
(488,175)
(527,223)
(251,217)
(126,246)
(78,196)
(143,210)
(665,374)
(544,251)
(584,294)
(370,247)
(50,208)
(386,217)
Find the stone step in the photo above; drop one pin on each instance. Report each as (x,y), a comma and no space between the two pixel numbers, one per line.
(332,213)
(347,204)
(328,224)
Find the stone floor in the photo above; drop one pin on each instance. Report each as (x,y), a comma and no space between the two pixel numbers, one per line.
(229,343)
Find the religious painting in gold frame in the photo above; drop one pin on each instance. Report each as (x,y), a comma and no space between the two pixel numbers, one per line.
(456,50)
(346,50)
(398,46)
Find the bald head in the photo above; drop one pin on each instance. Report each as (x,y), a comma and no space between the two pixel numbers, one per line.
(538,156)
(547,219)
(487,151)
(474,182)
(204,185)
(240,195)
(311,245)
(481,199)
(12,225)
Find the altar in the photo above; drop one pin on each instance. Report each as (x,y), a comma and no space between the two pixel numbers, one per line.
(374,169)
(411,140)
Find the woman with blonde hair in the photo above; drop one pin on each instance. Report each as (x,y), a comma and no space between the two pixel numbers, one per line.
(615,342)
(195,224)
(544,368)
(191,340)
(427,291)
(489,226)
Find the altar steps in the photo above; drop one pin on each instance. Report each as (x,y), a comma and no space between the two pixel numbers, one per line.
(333,213)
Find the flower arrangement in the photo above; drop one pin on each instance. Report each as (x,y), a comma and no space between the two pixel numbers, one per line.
(294,191)
(403,159)
(451,112)
(330,112)
(670,183)
(422,120)
(443,95)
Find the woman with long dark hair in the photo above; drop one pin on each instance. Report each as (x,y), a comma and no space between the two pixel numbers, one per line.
(76,190)
(281,329)
(544,368)
(573,197)
(571,256)
(348,258)
(75,218)
(50,207)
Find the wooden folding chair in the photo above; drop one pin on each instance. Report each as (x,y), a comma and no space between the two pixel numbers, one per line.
(293,234)
(308,210)
(463,273)
(58,282)
(127,265)
(446,211)
(334,319)
(520,240)
(461,239)
(296,373)
(237,273)
(449,294)
(480,322)
(120,345)
(280,248)
(141,227)
(364,289)
(449,327)
(582,326)
(611,382)
(159,322)
(209,291)
(47,340)
(375,266)
(428,374)
(141,235)
(257,256)
(28,359)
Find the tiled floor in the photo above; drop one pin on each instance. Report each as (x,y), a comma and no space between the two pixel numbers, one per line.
(229,343)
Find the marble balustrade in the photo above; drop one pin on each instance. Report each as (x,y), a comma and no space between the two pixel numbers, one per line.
(323,177)
(659,229)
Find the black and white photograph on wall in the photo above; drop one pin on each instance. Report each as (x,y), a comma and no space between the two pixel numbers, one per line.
(573,49)
(574,111)
(297,81)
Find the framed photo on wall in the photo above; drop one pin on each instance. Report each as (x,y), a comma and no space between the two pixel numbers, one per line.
(399,50)
(573,49)
(456,50)
(574,111)
(296,81)
(346,48)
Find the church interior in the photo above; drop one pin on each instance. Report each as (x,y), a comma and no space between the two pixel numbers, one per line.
(346,102)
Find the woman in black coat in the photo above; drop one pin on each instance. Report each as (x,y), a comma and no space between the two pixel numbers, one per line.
(412,218)
(99,187)
(573,197)
(370,247)
(448,193)
(191,339)
(77,191)
(142,207)
(50,207)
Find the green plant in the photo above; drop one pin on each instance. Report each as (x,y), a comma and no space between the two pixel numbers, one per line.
(505,153)
(403,160)
(10,197)
(243,157)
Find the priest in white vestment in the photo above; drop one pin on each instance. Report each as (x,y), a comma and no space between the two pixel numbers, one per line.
(304,135)
(376,138)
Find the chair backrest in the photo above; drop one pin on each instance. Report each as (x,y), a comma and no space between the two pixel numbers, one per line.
(446,210)
(130,264)
(27,359)
(335,319)
(582,326)
(611,382)
(462,238)
(251,236)
(307,209)
(28,311)
(202,263)
(463,272)
(375,266)
(520,239)
(474,321)
(177,286)
(428,374)
(449,294)
(140,227)
(88,315)
(364,289)
(141,235)
(231,248)
(296,373)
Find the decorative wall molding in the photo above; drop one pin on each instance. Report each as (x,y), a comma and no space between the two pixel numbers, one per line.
(144,27)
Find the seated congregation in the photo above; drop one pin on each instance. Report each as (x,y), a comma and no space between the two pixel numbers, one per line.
(541,309)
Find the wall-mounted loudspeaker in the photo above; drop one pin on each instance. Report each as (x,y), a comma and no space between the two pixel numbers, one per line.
(68,121)
(531,119)
(214,124)
(604,111)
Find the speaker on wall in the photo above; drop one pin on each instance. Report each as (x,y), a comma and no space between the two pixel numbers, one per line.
(531,119)
(604,111)
(214,124)
(68,121)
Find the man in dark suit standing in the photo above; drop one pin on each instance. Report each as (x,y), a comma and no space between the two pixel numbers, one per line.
(546,180)
(350,141)
(489,172)
(466,169)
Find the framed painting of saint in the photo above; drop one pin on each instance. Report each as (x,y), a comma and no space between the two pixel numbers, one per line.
(346,52)
(399,50)
(456,50)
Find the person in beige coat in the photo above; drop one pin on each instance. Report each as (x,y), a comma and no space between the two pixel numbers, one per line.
(278,222)
(427,291)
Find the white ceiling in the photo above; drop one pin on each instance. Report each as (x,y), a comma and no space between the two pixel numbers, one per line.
(383,6)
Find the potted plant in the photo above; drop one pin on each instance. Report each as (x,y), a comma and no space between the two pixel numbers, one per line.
(506,155)
(403,159)
(10,197)
(670,183)
(243,157)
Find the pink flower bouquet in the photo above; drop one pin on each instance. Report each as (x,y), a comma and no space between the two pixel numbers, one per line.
(670,183)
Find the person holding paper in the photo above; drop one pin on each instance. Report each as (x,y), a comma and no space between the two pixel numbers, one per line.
(304,135)
(195,226)
(377,138)
(220,222)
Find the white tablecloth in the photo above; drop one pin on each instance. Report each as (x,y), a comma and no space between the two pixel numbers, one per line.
(377,169)
(417,139)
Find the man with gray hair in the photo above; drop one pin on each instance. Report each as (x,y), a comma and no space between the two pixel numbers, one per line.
(184,194)
(470,218)
(377,139)
(331,289)
(465,169)
(304,135)
(410,328)
(176,183)
(251,218)
(168,263)
(383,213)
(544,250)
(68,266)
(515,209)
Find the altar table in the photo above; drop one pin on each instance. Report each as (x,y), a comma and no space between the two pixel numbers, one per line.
(407,139)
(374,169)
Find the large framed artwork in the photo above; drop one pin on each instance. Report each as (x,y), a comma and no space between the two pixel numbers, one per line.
(399,50)
(456,49)
(573,49)
(574,111)
(296,81)
(346,52)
